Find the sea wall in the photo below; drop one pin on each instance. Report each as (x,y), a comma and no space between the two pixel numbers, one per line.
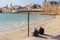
(51,8)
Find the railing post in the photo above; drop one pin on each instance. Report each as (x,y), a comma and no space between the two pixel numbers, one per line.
(28,24)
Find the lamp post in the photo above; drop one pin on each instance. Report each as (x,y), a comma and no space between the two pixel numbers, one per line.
(28,24)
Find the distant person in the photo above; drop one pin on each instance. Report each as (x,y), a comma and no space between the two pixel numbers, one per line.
(35,33)
(41,31)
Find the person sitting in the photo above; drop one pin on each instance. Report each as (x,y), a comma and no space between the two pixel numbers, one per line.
(41,31)
(35,33)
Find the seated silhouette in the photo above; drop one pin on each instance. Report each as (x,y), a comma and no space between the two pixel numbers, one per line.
(41,31)
(35,33)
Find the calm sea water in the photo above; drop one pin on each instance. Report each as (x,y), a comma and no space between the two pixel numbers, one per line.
(12,21)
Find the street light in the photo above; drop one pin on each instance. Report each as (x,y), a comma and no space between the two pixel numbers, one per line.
(28,24)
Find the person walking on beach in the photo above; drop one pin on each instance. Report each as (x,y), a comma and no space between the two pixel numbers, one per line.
(35,33)
(41,31)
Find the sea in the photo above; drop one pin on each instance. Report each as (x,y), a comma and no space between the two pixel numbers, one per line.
(11,21)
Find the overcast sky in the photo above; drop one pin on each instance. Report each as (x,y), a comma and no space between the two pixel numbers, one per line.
(20,2)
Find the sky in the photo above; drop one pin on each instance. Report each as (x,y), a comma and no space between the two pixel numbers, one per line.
(20,2)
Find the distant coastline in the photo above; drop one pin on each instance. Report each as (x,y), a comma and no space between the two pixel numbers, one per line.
(49,7)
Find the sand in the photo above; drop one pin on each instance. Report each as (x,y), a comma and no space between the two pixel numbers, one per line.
(52,31)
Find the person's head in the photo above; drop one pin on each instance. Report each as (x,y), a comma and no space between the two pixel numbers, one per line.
(40,26)
(35,29)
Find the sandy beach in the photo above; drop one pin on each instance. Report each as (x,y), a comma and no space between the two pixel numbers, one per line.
(52,31)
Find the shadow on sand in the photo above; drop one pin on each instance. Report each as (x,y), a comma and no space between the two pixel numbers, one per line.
(53,37)
(41,37)
(57,37)
(45,36)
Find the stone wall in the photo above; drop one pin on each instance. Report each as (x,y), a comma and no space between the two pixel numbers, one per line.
(51,8)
